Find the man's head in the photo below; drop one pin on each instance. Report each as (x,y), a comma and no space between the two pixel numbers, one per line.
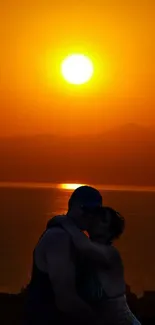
(83,206)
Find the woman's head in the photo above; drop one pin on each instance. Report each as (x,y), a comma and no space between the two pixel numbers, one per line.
(109,227)
(117,224)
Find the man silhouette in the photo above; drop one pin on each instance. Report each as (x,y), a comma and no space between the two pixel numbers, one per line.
(51,295)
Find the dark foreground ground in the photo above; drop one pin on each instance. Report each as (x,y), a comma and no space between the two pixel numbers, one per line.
(11,307)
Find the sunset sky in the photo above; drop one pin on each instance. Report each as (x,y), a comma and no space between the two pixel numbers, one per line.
(36,36)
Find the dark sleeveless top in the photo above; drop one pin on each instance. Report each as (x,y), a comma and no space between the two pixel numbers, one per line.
(40,285)
(40,307)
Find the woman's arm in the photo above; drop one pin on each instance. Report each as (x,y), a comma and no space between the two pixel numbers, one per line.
(99,253)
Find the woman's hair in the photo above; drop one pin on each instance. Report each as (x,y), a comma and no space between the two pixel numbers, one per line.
(117,223)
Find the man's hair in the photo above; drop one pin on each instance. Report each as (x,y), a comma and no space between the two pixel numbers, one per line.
(85,196)
(117,223)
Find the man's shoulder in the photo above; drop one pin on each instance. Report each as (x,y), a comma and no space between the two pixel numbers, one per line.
(53,240)
(55,230)
(55,234)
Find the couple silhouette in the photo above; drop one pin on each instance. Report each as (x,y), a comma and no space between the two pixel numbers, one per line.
(77,273)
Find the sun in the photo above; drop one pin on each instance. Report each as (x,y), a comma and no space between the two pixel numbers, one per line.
(77,69)
(70,186)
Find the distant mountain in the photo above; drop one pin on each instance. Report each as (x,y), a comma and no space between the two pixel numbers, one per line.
(123,156)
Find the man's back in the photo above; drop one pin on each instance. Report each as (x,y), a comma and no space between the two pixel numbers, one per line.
(41,307)
(52,294)
(50,241)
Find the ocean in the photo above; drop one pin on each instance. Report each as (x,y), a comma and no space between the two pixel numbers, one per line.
(25,211)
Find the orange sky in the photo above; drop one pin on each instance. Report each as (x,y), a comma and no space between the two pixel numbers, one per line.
(36,35)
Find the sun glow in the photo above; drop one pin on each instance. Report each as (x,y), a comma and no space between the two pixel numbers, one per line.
(70,186)
(77,69)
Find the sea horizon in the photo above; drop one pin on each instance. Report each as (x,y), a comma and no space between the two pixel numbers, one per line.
(60,186)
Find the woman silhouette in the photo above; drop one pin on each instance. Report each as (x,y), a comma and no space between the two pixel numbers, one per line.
(100,272)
